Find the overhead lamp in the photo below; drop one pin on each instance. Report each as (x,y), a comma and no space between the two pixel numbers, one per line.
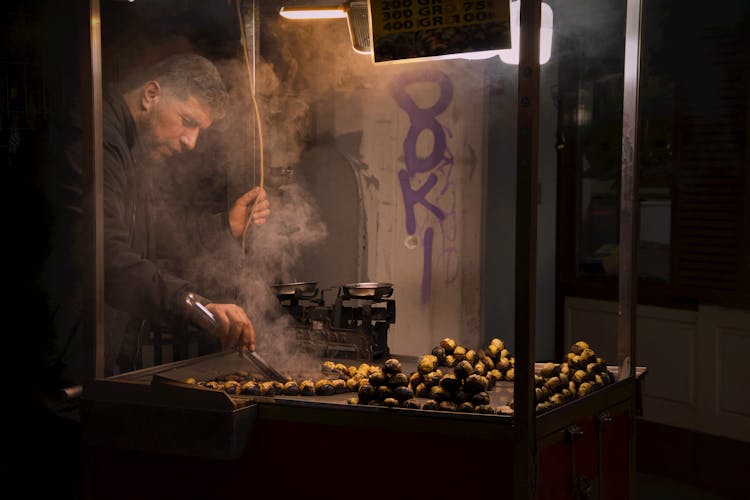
(356,15)
(510,56)
(313,12)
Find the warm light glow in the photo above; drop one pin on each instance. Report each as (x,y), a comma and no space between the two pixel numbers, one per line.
(482,54)
(510,56)
(327,12)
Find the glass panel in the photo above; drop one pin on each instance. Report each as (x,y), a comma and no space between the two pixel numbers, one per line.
(591,92)
(590,43)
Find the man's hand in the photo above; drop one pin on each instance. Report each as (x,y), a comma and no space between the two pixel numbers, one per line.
(241,208)
(233,326)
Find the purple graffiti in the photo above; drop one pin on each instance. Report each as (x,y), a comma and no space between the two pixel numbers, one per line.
(439,161)
(412,197)
(422,118)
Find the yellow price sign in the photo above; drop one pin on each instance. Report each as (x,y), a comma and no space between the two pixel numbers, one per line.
(403,29)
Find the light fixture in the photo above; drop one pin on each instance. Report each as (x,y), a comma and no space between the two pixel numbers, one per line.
(510,56)
(313,12)
(356,15)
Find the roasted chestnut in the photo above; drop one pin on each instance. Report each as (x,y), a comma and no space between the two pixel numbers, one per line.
(503,364)
(439,394)
(339,386)
(402,393)
(578,347)
(290,388)
(580,376)
(307,388)
(494,375)
(460,396)
(324,387)
(448,344)
(480,398)
(397,380)
(494,350)
(554,384)
(365,392)
(427,363)
(439,354)
(459,352)
(267,388)
(557,399)
(480,368)
(450,382)
(475,383)
(549,369)
(465,407)
(414,380)
(430,404)
(392,366)
(584,389)
(250,388)
(447,405)
(390,402)
(422,390)
(353,383)
(232,387)
(499,344)
(463,369)
(433,378)
(382,392)
(377,379)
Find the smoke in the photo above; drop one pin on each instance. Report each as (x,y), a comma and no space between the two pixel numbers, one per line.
(301,68)
(205,182)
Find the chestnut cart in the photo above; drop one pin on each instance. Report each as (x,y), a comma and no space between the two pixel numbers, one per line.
(162,438)
(147,434)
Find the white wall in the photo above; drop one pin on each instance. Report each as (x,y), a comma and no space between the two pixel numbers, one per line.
(437,287)
(696,378)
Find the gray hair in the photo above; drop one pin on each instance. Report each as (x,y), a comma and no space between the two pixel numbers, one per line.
(186,75)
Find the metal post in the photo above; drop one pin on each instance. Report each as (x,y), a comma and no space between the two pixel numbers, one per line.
(527,141)
(628,269)
(628,272)
(91,80)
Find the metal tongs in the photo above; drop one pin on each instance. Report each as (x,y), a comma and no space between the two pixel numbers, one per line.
(253,357)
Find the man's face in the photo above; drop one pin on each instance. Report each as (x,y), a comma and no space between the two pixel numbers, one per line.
(171,125)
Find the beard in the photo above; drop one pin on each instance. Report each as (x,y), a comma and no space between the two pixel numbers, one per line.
(147,142)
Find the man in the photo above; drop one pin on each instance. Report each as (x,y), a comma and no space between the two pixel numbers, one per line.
(168,107)
(153,117)
(150,118)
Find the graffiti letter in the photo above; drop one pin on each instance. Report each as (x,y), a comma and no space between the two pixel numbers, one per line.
(412,197)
